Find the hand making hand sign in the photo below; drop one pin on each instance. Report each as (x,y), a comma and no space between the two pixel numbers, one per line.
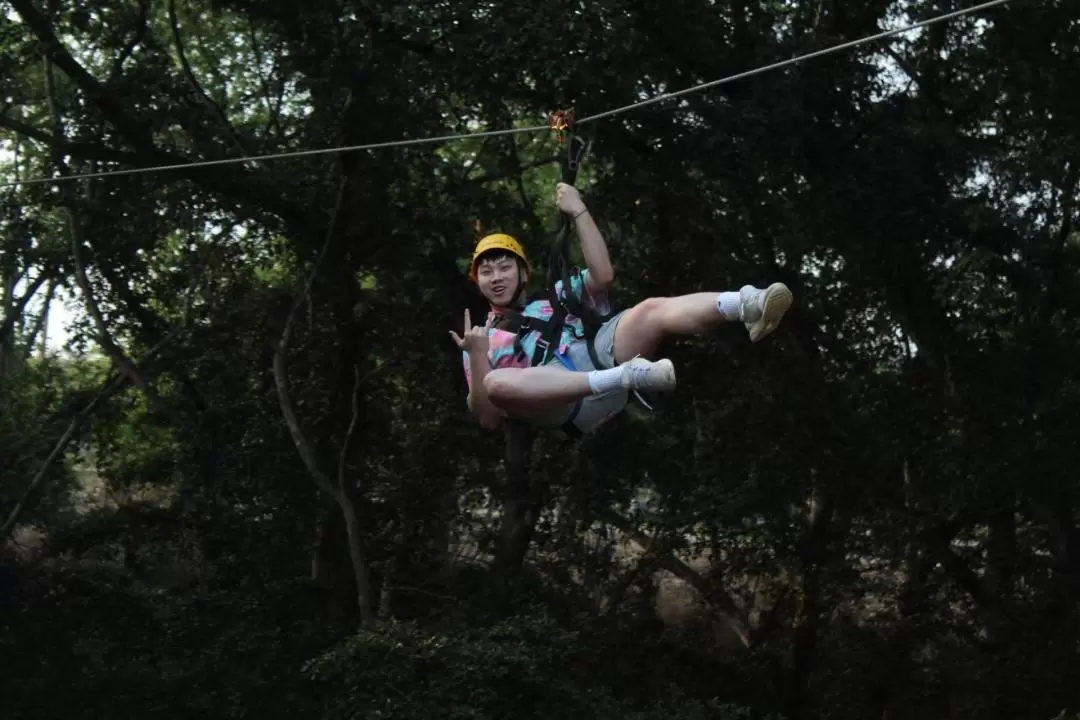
(475,339)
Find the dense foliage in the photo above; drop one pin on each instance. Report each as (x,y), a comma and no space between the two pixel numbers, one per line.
(248,484)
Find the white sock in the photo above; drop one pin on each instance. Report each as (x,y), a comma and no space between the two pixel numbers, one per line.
(602,381)
(728,303)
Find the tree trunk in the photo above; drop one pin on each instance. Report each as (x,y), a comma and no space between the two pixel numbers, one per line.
(519,505)
(359,560)
(815,555)
(7,317)
(39,333)
(331,570)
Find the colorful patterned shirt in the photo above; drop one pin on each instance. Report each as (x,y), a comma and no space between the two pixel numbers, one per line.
(501,352)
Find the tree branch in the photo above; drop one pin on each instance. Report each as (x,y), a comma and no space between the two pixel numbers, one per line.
(41,323)
(127,368)
(514,159)
(110,347)
(518,169)
(196,86)
(357,553)
(645,564)
(303,447)
(346,444)
(136,39)
(272,109)
(906,67)
(136,133)
(345,497)
(939,540)
(714,594)
(16,310)
(83,151)
(112,385)
(253,190)
(1057,255)
(16,154)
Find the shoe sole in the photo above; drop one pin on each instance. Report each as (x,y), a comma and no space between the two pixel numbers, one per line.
(777,301)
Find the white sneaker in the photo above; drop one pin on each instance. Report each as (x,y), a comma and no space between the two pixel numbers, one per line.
(761,310)
(641,374)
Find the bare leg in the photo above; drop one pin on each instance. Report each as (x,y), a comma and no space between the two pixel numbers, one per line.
(530,391)
(644,326)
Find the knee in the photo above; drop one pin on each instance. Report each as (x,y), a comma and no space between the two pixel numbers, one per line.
(653,308)
(499,387)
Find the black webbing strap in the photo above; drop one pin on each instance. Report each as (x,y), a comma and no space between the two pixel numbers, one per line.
(559,257)
(551,329)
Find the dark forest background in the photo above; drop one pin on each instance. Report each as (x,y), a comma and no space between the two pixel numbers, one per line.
(232,494)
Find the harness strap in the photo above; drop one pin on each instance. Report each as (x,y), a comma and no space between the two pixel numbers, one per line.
(550,331)
(568,426)
(559,259)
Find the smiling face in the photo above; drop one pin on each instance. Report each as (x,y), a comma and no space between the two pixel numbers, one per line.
(498,276)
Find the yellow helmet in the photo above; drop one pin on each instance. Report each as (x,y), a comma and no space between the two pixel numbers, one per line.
(498,241)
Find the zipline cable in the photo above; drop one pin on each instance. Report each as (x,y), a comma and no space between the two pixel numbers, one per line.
(515,131)
(792,61)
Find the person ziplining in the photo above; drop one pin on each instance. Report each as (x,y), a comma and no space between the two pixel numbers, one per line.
(540,360)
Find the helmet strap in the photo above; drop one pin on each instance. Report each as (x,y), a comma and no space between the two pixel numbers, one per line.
(516,299)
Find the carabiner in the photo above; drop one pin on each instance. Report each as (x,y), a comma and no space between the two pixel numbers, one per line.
(562,121)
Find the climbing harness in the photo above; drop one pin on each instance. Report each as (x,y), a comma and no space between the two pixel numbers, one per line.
(567,303)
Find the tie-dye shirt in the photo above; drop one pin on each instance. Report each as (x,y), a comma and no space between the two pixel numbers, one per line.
(501,343)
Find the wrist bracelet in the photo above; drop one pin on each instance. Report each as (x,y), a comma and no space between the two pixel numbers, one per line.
(581,213)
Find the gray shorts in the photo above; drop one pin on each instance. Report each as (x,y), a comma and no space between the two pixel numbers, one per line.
(592,411)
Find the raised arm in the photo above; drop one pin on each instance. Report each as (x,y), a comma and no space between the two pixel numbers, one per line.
(593,247)
(474,345)
(480,404)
